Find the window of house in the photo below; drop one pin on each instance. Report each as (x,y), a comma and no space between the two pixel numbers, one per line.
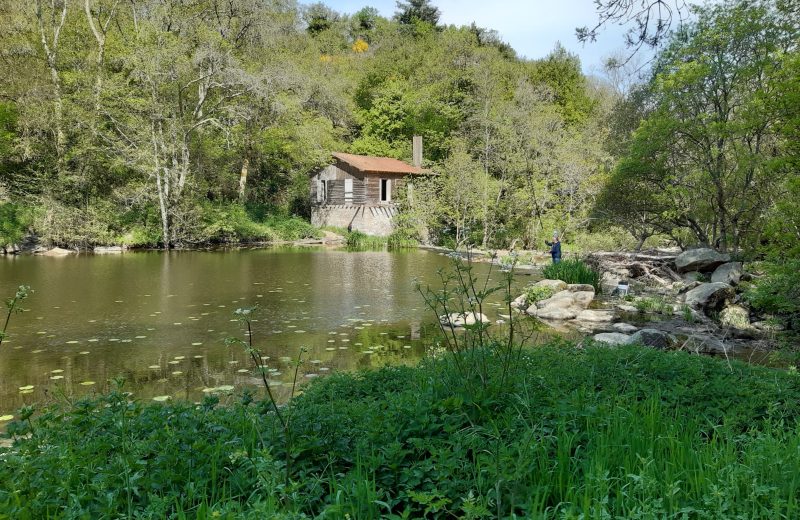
(386,190)
(348,191)
(322,191)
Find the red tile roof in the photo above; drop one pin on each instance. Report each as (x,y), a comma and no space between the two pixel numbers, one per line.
(368,164)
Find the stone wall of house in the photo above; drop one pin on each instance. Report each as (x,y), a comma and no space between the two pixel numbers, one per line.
(372,220)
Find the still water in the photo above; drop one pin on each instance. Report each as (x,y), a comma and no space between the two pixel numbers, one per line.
(159,320)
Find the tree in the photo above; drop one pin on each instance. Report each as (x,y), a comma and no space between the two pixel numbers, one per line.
(706,147)
(650,20)
(417,11)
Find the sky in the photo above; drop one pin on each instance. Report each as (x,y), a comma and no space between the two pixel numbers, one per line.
(531,27)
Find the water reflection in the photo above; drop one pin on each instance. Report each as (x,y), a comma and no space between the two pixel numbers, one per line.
(159,320)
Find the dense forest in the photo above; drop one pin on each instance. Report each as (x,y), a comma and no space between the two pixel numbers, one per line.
(170,123)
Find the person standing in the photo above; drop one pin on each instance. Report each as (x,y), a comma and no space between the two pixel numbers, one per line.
(555,247)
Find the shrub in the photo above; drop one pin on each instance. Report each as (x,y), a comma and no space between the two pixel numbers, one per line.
(779,291)
(292,228)
(535,293)
(13,224)
(573,271)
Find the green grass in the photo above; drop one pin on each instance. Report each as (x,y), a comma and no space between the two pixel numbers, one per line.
(358,241)
(573,271)
(593,433)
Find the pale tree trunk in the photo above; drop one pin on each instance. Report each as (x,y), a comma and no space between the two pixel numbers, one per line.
(243,178)
(162,184)
(50,46)
(99,31)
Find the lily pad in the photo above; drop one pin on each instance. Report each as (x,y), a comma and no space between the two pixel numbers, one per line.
(87,383)
(4,418)
(162,398)
(27,387)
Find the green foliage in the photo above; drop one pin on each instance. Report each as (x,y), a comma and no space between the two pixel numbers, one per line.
(657,305)
(627,432)
(779,291)
(573,271)
(691,166)
(14,222)
(535,293)
(292,228)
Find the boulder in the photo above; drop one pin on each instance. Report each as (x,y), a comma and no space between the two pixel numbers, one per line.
(460,320)
(520,302)
(624,307)
(729,273)
(625,328)
(595,316)
(735,317)
(700,343)
(555,285)
(563,305)
(57,251)
(709,296)
(108,250)
(580,287)
(768,326)
(693,276)
(689,286)
(652,338)
(612,338)
(559,299)
(704,260)
(583,298)
(555,313)
(609,282)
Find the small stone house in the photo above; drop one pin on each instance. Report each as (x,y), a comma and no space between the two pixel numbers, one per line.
(360,192)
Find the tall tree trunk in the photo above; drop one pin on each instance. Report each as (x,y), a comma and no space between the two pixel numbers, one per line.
(243,178)
(51,54)
(99,32)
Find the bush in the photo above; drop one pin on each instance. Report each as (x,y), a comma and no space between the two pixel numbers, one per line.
(535,293)
(779,291)
(13,224)
(573,271)
(292,228)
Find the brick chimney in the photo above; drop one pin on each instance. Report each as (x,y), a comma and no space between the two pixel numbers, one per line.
(416,151)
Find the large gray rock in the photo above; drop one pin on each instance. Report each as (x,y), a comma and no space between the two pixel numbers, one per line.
(729,273)
(652,338)
(556,285)
(735,317)
(559,299)
(556,313)
(703,260)
(693,276)
(520,302)
(580,287)
(700,343)
(56,251)
(108,250)
(625,328)
(709,296)
(768,326)
(595,316)
(459,320)
(612,338)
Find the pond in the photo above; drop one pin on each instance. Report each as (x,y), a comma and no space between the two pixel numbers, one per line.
(159,320)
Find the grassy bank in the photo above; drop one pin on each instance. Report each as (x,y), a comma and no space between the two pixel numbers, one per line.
(628,433)
(201,224)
